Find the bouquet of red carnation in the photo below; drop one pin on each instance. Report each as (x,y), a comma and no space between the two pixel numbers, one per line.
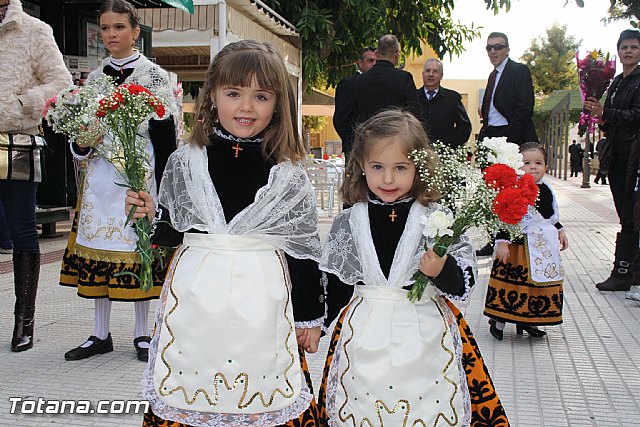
(595,72)
(122,112)
(495,199)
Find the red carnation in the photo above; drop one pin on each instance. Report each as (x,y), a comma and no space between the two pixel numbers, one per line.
(160,111)
(510,205)
(529,188)
(500,176)
(135,89)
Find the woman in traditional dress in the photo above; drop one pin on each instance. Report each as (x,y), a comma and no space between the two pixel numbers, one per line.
(101,244)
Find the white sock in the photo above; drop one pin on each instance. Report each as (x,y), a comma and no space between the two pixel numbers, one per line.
(141,328)
(500,326)
(102,308)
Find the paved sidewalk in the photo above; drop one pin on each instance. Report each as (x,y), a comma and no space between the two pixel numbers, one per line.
(585,372)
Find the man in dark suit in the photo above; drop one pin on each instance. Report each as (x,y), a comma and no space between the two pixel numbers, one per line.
(443,114)
(384,85)
(342,118)
(575,158)
(507,106)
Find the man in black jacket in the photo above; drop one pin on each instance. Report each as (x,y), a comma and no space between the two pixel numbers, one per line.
(342,117)
(384,85)
(575,158)
(443,114)
(507,105)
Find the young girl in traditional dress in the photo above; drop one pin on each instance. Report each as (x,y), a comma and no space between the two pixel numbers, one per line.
(101,244)
(392,362)
(243,291)
(525,286)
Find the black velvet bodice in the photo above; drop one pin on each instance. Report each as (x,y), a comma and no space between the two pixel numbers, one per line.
(385,232)
(237,179)
(119,75)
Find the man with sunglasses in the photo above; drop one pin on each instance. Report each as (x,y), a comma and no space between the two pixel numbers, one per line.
(507,105)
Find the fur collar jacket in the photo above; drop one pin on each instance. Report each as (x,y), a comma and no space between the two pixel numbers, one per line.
(32,70)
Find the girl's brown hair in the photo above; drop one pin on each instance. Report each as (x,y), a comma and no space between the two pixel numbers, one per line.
(120,6)
(402,127)
(237,64)
(534,146)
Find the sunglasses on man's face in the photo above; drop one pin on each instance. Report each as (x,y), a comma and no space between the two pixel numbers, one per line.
(495,47)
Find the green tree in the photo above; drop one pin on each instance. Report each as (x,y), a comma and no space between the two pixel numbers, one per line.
(622,10)
(552,60)
(333,31)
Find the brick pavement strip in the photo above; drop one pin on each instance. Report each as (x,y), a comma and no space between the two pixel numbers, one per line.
(586,372)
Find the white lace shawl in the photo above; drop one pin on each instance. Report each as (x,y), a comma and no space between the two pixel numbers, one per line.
(350,253)
(152,77)
(283,212)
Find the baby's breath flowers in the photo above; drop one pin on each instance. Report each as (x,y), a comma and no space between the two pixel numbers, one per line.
(72,112)
(494,200)
(122,112)
(85,114)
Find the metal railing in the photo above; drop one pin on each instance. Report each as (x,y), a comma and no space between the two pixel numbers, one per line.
(555,138)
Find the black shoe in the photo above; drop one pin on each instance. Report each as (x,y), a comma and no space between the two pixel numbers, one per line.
(497,333)
(143,353)
(487,250)
(98,347)
(533,332)
(614,283)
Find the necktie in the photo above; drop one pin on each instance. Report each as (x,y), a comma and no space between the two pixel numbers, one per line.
(487,98)
(431,94)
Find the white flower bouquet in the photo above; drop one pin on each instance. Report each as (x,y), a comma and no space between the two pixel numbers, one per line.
(492,199)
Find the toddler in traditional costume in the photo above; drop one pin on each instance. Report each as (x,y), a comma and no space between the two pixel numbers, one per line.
(525,286)
(393,362)
(243,291)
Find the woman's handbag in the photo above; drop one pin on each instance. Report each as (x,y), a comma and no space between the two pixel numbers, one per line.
(22,157)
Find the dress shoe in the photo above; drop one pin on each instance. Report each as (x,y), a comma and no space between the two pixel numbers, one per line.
(142,352)
(98,347)
(497,333)
(487,250)
(533,332)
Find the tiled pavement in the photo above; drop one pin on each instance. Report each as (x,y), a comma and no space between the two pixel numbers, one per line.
(586,372)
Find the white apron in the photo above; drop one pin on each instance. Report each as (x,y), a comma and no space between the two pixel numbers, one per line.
(542,245)
(212,300)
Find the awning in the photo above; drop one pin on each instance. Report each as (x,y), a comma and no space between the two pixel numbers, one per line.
(317,103)
(179,4)
(186,5)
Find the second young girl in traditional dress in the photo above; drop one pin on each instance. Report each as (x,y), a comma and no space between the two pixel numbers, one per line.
(244,284)
(525,285)
(101,244)
(393,362)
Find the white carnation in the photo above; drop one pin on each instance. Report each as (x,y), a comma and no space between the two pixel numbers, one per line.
(501,151)
(437,224)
